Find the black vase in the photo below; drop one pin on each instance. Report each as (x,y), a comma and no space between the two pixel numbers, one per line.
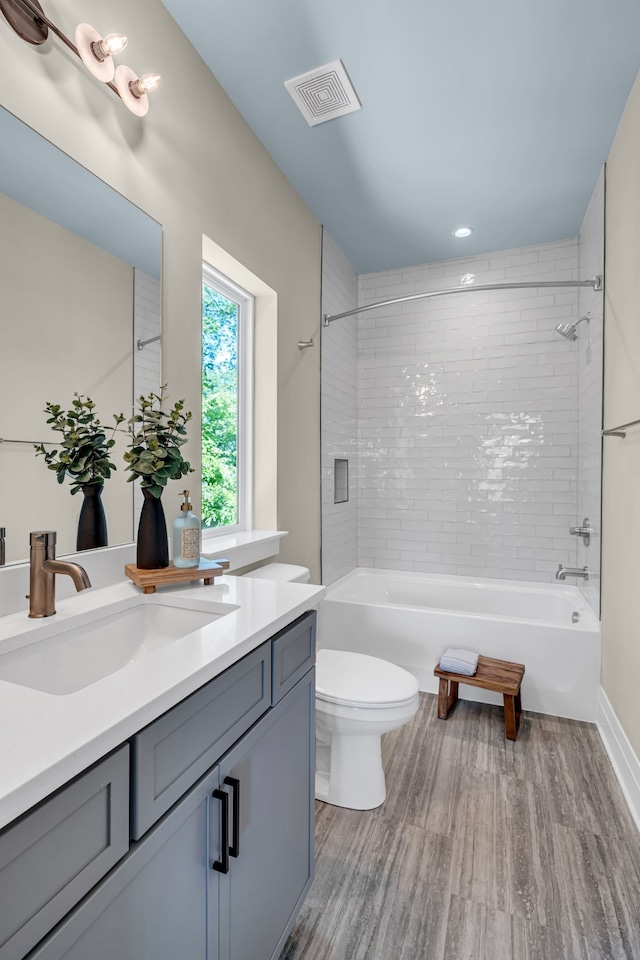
(92,524)
(153,545)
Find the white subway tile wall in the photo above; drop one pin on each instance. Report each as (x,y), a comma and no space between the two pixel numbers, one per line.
(339,413)
(147,370)
(590,365)
(468,418)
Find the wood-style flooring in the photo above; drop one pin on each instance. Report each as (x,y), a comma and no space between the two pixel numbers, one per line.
(485,849)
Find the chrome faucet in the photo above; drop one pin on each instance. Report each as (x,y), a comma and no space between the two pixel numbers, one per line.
(42,571)
(584,531)
(564,572)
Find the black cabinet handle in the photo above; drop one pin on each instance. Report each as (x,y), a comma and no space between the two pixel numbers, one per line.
(222,865)
(234,848)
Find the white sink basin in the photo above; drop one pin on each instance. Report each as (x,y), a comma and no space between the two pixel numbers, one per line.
(72,654)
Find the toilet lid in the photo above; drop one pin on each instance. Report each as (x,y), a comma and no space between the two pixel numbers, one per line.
(358,680)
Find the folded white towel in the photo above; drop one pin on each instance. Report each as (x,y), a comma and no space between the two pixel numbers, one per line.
(459,661)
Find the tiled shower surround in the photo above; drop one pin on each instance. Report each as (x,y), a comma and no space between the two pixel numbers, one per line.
(477,425)
(468,419)
(339,413)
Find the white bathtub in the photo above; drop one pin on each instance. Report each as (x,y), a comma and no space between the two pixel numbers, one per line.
(411,618)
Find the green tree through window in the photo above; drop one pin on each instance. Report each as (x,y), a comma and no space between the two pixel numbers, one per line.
(219,409)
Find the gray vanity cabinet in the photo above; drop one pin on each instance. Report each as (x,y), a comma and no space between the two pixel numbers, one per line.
(222,874)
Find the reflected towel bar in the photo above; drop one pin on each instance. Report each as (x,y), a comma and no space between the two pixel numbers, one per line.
(620,431)
(141,344)
(31,443)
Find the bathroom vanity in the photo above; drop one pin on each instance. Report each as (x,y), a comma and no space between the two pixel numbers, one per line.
(193,837)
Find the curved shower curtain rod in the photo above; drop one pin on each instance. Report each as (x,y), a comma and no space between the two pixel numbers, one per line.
(595,283)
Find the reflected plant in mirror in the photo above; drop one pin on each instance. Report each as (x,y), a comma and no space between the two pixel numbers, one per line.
(84,456)
(85,452)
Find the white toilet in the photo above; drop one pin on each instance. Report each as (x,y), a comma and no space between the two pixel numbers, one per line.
(358,698)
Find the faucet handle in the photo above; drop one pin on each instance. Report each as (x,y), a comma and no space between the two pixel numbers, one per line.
(42,536)
(44,539)
(584,531)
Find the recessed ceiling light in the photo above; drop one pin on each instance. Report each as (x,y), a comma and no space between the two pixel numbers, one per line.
(463,232)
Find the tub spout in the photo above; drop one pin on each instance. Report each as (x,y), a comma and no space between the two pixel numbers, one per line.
(564,572)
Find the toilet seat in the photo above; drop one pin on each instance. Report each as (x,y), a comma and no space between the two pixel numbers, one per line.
(357,680)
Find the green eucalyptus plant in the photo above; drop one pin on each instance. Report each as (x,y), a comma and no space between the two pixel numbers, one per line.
(85,448)
(155,438)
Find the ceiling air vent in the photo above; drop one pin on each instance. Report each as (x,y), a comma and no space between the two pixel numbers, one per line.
(324,93)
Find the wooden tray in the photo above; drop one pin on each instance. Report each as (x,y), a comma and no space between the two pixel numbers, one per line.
(206,570)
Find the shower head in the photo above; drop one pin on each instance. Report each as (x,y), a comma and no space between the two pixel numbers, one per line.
(568,330)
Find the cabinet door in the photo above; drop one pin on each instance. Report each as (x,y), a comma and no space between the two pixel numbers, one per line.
(270,771)
(161,901)
(51,857)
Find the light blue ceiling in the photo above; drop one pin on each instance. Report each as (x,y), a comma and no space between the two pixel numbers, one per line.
(497,114)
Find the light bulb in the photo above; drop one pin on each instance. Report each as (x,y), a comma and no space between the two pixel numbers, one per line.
(113,44)
(96,52)
(133,89)
(145,84)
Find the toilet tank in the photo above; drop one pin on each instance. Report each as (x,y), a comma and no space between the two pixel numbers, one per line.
(281,571)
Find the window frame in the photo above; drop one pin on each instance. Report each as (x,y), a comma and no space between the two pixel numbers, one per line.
(245,302)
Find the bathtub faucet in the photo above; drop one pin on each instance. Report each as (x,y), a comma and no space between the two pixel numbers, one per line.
(564,572)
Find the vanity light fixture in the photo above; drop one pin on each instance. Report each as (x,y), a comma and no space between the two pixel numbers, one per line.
(97,52)
(30,22)
(133,89)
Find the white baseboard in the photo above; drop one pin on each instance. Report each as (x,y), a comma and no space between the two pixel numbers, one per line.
(625,763)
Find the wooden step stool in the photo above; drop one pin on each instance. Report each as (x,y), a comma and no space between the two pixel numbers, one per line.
(500,675)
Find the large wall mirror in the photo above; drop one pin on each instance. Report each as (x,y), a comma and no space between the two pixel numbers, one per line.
(79,289)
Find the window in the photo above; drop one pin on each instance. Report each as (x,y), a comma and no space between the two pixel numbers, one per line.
(227,378)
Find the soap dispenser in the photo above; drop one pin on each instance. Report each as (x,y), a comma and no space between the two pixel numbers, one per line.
(186,536)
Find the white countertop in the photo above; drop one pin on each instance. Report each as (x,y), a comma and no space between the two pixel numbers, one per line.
(47,739)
